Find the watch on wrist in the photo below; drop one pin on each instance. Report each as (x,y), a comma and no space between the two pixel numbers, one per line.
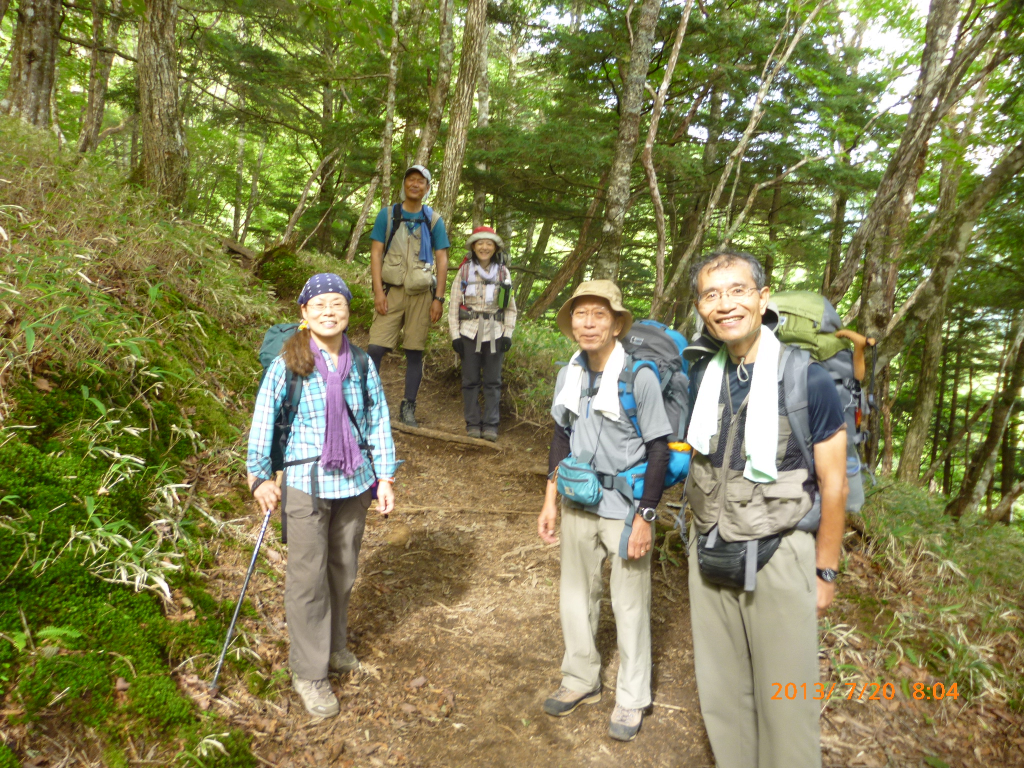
(439,298)
(827,574)
(647,513)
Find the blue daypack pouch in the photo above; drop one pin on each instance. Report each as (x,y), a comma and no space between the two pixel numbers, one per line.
(578,481)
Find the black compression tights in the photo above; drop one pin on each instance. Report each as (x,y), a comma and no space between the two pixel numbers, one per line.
(413,370)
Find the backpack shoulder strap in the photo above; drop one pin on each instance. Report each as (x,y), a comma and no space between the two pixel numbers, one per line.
(432,216)
(627,397)
(361,361)
(394,215)
(793,365)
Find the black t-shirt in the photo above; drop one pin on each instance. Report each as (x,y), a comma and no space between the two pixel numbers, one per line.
(824,409)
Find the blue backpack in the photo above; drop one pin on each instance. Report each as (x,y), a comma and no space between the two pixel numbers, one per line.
(654,345)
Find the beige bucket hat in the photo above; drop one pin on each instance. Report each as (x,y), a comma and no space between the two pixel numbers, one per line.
(602,289)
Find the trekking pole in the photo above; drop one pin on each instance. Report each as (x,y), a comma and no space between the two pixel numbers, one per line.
(241,599)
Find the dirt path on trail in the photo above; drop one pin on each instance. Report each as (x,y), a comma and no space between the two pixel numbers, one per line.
(455,619)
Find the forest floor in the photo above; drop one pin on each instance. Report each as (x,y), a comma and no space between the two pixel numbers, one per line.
(455,619)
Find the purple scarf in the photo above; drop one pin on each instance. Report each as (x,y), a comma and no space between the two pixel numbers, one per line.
(341,451)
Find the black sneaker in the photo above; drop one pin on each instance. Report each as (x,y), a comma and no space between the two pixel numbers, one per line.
(407,413)
(564,701)
(473,431)
(490,433)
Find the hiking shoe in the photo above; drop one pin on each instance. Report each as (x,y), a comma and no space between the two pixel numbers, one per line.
(490,433)
(625,723)
(343,661)
(564,701)
(317,696)
(407,413)
(473,431)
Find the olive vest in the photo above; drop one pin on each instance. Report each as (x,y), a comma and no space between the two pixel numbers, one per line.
(402,265)
(719,494)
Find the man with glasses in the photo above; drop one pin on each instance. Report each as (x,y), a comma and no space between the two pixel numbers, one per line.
(768,521)
(594,436)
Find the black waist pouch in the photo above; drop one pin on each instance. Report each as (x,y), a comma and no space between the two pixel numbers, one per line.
(734,563)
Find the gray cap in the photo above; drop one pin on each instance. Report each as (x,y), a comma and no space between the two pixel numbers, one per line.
(422,171)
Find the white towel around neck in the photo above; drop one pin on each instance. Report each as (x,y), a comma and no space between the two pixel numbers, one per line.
(606,402)
(761,433)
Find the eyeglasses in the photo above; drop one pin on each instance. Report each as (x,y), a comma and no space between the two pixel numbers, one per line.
(735,293)
(335,306)
(597,315)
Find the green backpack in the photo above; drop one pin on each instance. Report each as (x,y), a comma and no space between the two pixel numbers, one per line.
(809,321)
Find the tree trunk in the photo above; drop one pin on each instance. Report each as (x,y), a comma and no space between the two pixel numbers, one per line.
(899,331)
(253,193)
(33,62)
(578,256)
(1004,509)
(924,401)
(606,262)
(768,75)
(236,218)
(974,476)
(526,284)
(954,441)
(483,118)
(462,108)
(100,62)
(1008,456)
(3,10)
(439,93)
(364,214)
(387,140)
(646,156)
(946,61)
(773,228)
(164,154)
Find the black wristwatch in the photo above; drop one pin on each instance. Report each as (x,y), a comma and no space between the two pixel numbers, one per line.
(439,298)
(827,574)
(649,514)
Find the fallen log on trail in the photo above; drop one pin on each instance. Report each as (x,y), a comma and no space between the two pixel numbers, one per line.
(446,436)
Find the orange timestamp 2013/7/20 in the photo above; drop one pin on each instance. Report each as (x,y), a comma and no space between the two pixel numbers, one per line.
(867,691)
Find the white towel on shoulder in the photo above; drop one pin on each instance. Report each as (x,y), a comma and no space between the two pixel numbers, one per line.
(606,402)
(761,434)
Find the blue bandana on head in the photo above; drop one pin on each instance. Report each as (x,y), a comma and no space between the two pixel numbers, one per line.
(325,282)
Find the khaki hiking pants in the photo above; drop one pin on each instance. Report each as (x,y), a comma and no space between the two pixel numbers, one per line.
(323,551)
(747,647)
(586,540)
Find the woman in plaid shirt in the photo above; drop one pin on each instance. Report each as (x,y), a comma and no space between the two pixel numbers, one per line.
(339,447)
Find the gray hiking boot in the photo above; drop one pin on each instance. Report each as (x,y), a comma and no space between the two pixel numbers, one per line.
(473,431)
(564,701)
(407,413)
(625,723)
(491,434)
(317,696)
(343,661)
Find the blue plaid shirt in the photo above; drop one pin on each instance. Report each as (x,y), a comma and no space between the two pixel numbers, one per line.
(306,440)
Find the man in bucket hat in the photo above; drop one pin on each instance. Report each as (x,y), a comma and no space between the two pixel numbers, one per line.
(594,440)
(408,241)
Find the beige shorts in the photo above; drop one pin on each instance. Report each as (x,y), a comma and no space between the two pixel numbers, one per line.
(409,314)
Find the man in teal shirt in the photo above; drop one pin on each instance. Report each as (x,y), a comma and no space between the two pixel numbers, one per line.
(407,241)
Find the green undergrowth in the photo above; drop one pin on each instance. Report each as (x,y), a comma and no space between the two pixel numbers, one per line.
(127,370)
(945,596)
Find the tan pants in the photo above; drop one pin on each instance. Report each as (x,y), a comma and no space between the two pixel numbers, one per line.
(409,314)
(586,540)
(323,551)
(744,644)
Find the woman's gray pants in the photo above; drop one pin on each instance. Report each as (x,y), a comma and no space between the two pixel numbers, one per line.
(476,366)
